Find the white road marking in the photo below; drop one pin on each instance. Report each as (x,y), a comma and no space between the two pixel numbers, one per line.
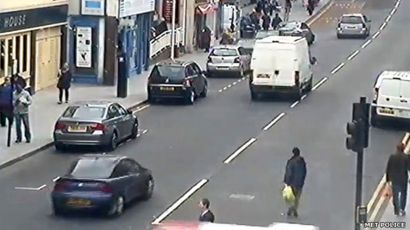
(31,188)
(397,4)
(294,104)
(376,34)
(353,55)
(274,121)
(139,109)
(229,86)
(220,91)
(138,135)
(388,18)
(337,68)
(181,200)
(319,83)
(393,11)
(366,44)
(144,131)
(243,78)
(225,88)
(104,153)
(55,179)
(234,83)
(303,97)
(383,25)
(244,197)
(240,150)
(239,80)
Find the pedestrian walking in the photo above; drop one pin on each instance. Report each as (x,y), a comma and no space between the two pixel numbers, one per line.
(206,38)
(265,22)
(295,174)
(19,80)
(206,214)
(6,107)
(64,83)
(288,7)
(276,21)
(397,177)
(311,6)
(21,102)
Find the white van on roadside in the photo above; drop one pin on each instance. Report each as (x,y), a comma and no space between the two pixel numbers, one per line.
(281,64)
(391,99)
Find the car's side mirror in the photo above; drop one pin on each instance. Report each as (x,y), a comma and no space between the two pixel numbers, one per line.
(369,20)
(129,111)
(204,72)
(313,61)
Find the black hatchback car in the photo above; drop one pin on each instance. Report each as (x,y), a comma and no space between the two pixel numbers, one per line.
(177,79)
(102,183)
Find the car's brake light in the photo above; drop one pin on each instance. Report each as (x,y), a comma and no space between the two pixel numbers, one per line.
(237,60)
(106,188)
(60,126)
(297,82)
(375,95)
(99,126)
(209,60)
(61,186)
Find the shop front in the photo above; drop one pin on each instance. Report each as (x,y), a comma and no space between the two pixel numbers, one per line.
(206,14)
(31,44)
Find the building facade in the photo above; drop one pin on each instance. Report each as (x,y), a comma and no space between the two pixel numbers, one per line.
(100,29)
(32,40)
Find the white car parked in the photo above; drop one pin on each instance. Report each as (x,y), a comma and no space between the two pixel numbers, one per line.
(391,97)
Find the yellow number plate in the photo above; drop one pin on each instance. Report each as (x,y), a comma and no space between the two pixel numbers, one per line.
(77,129)
(78,202)
(167,88)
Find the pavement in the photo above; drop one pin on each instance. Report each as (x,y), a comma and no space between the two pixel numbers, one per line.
(185,144)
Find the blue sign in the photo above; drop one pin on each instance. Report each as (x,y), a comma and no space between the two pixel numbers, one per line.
(26,19)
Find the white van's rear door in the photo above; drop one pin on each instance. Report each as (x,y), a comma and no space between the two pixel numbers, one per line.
(405,99)
(388,100)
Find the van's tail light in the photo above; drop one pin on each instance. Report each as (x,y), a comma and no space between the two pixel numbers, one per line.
(364,25)
(209,60)
(375,95)
(297,80)
(61,186)
(99,127)
(237,60)
(106,188)
(187,83)
(60,126)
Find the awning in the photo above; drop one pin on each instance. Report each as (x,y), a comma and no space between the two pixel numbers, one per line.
(206,8)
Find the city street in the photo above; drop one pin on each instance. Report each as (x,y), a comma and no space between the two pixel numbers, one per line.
(184,144)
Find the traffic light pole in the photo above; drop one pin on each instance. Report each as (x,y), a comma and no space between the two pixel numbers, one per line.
(359,183)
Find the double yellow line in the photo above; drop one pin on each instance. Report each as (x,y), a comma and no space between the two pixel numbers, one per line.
(378,200)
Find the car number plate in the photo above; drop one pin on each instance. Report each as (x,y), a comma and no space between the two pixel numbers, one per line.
(386,111)
(78,202)
(77,129)
(166,88)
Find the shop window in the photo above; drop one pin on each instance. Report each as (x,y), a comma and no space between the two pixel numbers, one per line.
(25,53)
(15,55)
(10,56)
(2,57)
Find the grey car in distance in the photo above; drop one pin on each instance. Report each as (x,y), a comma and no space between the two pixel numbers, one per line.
(228,60)
(94,123)
(353,25)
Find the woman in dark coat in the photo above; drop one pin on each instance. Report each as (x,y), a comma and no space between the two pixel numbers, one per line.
(206,38)
(64,83)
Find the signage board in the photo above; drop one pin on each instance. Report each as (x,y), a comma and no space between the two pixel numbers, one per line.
(84,47)
(93,7)
(134,7)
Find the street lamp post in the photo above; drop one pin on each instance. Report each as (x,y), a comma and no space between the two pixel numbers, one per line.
(173,30)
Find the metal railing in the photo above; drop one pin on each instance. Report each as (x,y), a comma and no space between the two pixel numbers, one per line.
(163,41)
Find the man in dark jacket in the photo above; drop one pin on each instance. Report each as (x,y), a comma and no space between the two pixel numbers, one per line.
(206,214)
(295,175)
(397,177)
(64,83)
(206,38)
(276,21)
(265,22)
(311,6)
(6,104)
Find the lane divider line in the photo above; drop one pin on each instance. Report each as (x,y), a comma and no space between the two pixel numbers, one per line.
(383,26)
(225,88)
(144,131)
(376,34)
(388,18)
(366,43)
(243,78)
(337,68)
(234,83)
(393,11)
(31,188)
(56,179)
(139,109)
(239,80)
(273,122)
(353,55)
(220,91)
(229,86)
(180,201)
(319,83)
(303,97)
(294,104)
(239,151)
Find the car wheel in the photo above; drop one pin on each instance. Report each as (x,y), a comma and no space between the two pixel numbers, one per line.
(60,147)
(205,90)
(298,94)
(57,211)
(150,99)
(149,190)
(191,97)
(374,120)
(339,36)
(134,133)
(254,96)
(113,142)
(117,207)
(309,85)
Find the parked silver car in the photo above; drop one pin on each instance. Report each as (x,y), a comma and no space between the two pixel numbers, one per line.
(95,123)
(353,25)
(228,60)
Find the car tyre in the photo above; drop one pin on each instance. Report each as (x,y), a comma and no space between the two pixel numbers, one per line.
(254,96)
(204,92)
(149,190)
(134,133)
(113,142)
(117,207)
(190,99)
(298,94)
(309,85)
(374,120)
(339,36)
(57,211)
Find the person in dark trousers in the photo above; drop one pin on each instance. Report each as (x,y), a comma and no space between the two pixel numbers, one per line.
(21,103)
(64,83)
(288,7)
(397,177)
(276,21)
(206,214)
(311,6)
(6,108)
(265,22)
(295,175)
(206,38)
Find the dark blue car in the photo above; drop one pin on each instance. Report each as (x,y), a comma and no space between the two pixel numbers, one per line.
(101,183)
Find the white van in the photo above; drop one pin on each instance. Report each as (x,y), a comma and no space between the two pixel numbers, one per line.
(281,64)
(391,98)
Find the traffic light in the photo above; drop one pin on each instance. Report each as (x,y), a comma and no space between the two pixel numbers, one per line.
(358,129)
(354,129)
